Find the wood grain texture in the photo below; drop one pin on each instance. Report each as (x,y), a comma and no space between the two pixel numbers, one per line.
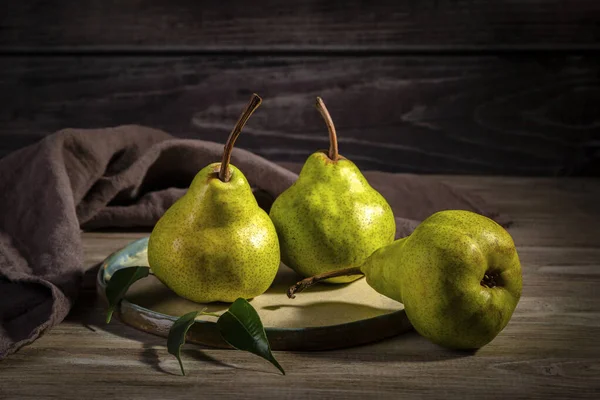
(477,115)
(548,350)
(300,25)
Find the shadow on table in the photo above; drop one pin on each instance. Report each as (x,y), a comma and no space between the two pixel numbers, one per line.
(407,347)
(151,357)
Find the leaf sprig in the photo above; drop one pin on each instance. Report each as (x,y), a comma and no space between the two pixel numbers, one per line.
(240,325)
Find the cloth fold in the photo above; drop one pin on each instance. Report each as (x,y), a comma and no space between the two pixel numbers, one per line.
(128,176)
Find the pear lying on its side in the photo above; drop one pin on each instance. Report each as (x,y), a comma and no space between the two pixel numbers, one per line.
(215,243)
(330,218)
(458,275)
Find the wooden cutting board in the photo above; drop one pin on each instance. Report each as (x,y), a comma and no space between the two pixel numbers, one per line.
(323,317)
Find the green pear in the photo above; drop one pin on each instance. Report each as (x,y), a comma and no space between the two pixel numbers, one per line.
(215,243)
(330,218)
(458,275)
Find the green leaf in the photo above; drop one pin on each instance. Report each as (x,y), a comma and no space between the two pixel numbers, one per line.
(242,328)
(177,334)
(118,285)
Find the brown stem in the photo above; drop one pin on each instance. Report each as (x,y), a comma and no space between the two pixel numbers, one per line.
(333,144)
(308,282)
(224,174)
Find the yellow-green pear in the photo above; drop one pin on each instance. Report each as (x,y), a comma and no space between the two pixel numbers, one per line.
(215,243)
(458,275)
(330,218)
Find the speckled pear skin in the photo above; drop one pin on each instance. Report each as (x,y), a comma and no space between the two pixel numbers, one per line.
(215,243)
(330,218)
(437,272)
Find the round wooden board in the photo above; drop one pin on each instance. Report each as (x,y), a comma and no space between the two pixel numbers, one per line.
(323,317)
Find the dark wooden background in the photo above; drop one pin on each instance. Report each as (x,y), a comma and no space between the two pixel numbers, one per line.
(464,86)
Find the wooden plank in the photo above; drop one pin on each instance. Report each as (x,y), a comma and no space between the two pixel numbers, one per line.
(299,25)
(548,212)
(150,373)
(548,350)
(477,115)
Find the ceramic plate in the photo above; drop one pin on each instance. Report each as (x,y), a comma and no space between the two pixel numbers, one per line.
(322,317)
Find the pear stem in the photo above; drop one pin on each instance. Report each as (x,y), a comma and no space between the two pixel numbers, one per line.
(308,282)
(224,174)
(333,144)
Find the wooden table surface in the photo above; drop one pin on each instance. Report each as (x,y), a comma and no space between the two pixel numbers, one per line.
(550,348)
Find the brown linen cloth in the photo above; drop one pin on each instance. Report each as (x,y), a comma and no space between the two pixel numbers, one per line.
(123,177)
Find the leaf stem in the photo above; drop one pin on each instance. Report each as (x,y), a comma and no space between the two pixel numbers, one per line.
(181,365)
(308,282)
(333,144)
(224,173)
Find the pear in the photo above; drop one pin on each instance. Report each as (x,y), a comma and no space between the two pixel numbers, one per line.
(458,275)
(330,218)
(215,243)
